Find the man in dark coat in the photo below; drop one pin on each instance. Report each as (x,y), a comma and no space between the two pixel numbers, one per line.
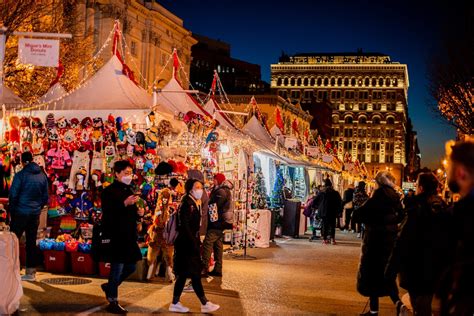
(456,290)
(28,195)
(119,227)
(381,215)
(348,209)
(419,255)
(329,207)
(219,218)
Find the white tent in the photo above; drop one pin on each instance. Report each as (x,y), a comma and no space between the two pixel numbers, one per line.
(257,131)
(174,99)
(55,92)
(10,99)
(107,89)
(213,108)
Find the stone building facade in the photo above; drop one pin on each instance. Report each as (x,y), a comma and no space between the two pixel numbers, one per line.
(151,33)
(368,94)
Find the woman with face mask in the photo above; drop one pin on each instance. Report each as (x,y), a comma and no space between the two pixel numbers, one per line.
(187,258)
(157,243)
(119,224)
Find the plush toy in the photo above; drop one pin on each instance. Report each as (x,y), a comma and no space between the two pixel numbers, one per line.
(25,130)
(130,151)
(122,151)
(131,137)
(26,146)
(147,186)
(59,158)
(108,180)
(119,128)
(39,160)
(164,128)
(86,123)
(68,141)
(62,124)
(109,156)
(82,206)
(85,139)
(96,178)
(212,137)
(98,130)
(151,137)
(14,136)
(81,179)
(139,163)
(75,123)
(40,144)
(50,121)
(149,156)
(36,123)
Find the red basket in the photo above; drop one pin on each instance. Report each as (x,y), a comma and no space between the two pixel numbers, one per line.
(82,263)
(55,261)
(104,269)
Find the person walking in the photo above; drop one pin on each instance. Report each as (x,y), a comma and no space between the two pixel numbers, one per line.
(348,207)
(419,255)
(220,217)
(381,215)
(328,204)
(157,244)
(119,225)
(456,291)
(360,197)
(187,259)
(28,195)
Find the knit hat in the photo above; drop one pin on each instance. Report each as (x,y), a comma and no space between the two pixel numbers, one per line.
(219,177)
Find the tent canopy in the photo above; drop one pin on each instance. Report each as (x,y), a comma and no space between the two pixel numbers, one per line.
(55,92)
(174,99)
(10,99)
(255,129)
(224,121)
(108,88)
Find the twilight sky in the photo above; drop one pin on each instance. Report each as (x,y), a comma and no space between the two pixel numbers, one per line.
(259,30)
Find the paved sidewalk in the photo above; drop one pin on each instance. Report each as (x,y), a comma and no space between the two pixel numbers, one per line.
(293,277)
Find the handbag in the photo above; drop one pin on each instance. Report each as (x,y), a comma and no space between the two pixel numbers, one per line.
(100,247)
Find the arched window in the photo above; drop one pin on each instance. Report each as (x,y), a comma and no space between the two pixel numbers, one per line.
(353,82)
(376,120)
(395,82)
(390,120)
(339,81)
(335,119)
(305,81)
(362,120)
(366,82)
(346,81)
(348,119)
(285,81)
(374,82)
(312,81)
(319,81)
(292,81)
(387,82)
(381,82)
(279,82)
(333,81)
(298,82)
(326,81)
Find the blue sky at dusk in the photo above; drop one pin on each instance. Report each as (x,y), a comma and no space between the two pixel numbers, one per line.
(259,30)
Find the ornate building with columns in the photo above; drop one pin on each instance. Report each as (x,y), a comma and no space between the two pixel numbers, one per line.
(151,33)
(368,95)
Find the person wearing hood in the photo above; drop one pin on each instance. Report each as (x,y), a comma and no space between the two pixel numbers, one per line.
(28,195)
(420,266)
(360,197)
(329,204)
(381,215)
(220,218)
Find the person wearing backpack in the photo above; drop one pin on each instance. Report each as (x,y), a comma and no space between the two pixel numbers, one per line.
(158,243)
(187,259)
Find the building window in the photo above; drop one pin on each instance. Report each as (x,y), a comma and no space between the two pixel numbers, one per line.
(387,82)
(333,81)
(279,82)
(362,120)
(361,146)
(305,82)
(361,157)
(295,94)
(363,95)
(362,133)
(335,119)
(376,106)
(348,132)
(391,107)
(376,120)
(346,82)
(322,95)
(285,81)
(374,82)
(366,82)
(391,95)
(388,158)
(348,106)
(390,120)
(311,82)
(326,81)
(377,95)
(375,133)
(318,82)
(363,106)
(349,95)
(389,147)
(348,120)
(381,82)
(395,82)
(283,94)
(347,145)
(292,81)
(335,132)
(353,82)
(339,82)
(375,158)
(298,82)
(390,133)
(375,146)
(307,94)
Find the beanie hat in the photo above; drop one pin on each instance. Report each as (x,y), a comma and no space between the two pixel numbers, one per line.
(219,177)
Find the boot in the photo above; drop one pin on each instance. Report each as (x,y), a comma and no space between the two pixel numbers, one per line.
(30,275)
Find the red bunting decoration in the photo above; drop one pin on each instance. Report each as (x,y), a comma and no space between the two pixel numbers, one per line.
(279,121)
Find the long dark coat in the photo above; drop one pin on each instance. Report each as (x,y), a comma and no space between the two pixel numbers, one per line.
(187,257)
(119,223)
(381,215)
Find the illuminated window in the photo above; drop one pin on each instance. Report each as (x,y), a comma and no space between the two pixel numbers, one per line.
(348,120)
(363,106)
(376,120)
(335,119)
(390,120)
(376,106)
(362,120)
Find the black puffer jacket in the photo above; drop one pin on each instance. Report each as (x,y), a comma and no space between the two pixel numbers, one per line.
(329,203)
(222,197)
(420,251)
(381,215)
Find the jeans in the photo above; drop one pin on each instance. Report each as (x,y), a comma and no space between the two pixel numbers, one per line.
(328,228)
(118,273)
(27,224)
(214,241)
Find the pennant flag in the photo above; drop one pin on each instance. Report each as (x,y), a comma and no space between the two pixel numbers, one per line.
(306,134)
(115,50)
(214,83)
(59,74)
(279,120)
(175,62)
(294,126)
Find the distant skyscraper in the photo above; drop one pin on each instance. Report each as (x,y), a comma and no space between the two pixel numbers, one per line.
(368,95)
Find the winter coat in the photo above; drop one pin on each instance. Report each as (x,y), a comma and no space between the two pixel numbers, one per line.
(420,251)
(456,290)
(155,232)
(187,258)
(204,213)
(381,215)
(119,223)
(328,203)
(222,197)
(360,197)
(348,196)
(29,191)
